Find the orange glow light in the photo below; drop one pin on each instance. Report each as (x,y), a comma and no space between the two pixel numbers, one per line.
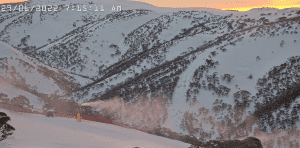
(240,5)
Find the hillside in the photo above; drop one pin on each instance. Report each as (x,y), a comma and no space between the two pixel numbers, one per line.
(198,71)
(25,78)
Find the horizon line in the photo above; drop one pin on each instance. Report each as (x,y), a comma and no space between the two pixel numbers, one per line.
(238,9)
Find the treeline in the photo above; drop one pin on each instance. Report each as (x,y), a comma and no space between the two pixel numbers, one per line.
(285,99)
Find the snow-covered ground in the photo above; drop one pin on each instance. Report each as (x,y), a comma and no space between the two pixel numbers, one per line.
(47,132)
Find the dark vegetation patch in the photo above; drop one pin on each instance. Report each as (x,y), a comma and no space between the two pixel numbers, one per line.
(277,92)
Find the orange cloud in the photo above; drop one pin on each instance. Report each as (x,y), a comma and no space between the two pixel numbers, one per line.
(241,5)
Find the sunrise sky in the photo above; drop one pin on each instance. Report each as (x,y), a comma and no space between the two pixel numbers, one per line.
(241,5)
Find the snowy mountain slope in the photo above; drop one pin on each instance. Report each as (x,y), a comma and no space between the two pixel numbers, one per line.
(161,59)
(259,48)
(23,75)
(40,131)
(239,60)
(191,57)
